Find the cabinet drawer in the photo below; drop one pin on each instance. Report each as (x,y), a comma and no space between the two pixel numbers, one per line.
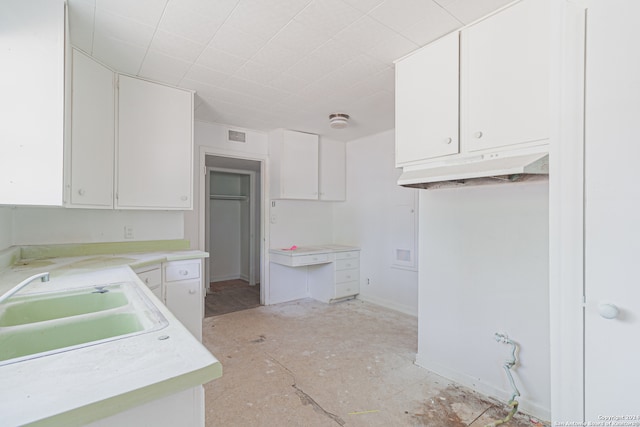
(347,275)
(151,278)
(311,259)
(346,264)
(347,289)
(174,272)
(348,255)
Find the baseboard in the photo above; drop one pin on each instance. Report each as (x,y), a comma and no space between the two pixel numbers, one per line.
(386,304)
(525,406)
(223,278)
(244,277)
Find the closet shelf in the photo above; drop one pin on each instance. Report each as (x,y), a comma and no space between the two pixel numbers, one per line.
(227,197)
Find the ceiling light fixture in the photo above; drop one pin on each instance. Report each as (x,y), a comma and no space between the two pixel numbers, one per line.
(338,120)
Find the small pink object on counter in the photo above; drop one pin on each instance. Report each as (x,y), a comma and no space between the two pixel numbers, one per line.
(292,248)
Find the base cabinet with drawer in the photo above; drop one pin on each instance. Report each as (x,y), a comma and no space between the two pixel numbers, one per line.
(183,293)
(337,280)
(152,277)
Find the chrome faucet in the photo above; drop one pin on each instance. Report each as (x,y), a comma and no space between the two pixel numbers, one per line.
(44,277)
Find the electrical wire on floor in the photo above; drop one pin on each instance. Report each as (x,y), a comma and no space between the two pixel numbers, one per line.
(508,364)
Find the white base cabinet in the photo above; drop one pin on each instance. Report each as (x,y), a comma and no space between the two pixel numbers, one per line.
(184,293)
(326,273)
(152,278)
(185,408)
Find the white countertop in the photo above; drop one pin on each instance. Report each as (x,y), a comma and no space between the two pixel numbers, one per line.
(78,386)
(310,250)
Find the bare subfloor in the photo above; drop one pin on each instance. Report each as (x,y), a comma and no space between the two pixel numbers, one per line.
(309,364)
(230,295)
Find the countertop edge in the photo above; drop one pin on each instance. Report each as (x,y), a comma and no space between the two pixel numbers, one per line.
(122,402)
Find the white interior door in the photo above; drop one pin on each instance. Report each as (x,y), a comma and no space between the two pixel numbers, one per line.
(612,210)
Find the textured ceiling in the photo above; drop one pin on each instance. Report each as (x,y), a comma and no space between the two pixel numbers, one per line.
(265,64)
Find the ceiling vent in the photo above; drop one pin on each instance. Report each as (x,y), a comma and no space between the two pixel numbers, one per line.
(237,136)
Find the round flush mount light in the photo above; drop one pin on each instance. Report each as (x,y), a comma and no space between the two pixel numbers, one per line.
(338,120)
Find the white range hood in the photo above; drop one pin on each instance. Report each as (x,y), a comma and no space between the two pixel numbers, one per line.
(477,170)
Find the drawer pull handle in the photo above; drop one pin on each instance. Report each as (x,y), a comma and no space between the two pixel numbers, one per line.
(192,291)
(183,272)
(146,280)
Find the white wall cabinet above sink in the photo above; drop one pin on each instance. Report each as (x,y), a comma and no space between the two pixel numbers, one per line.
(92,134)
(305,167)
(141,161)
(154,153)
(490,88)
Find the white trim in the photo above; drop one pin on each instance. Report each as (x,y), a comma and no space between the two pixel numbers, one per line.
(251,278)
(566,184)
(264,207)
(401,308)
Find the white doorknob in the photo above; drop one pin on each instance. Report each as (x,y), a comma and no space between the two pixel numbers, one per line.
(608,311)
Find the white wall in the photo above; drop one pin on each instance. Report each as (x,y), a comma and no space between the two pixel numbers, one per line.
(6,227)
(300,223)
(212,138)
(484,269)
(379,216)
(34,226)
(225,241)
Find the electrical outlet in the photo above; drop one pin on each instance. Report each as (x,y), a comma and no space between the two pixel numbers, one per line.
(128,232)
(274,218)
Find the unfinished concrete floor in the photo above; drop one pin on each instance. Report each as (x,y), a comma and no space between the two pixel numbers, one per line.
(309,364)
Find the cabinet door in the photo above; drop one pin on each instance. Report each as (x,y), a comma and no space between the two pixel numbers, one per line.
(92,133)
(299,167)
(505,85)
(333,170)
(427,102)
(154,148)
(32,47)
(184,299)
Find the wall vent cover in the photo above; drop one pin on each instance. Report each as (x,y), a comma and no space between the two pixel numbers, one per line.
(237,136)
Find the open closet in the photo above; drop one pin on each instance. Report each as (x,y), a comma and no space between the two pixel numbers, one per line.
(232,234)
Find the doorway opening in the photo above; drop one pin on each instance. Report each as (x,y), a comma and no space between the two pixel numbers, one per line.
(232,234)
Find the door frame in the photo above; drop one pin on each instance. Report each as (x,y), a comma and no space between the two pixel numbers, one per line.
(264,207)
(252,217)
(566,210)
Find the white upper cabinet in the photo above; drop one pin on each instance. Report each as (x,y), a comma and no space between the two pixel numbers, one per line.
(294,161)
(427,102)
(487,85)
(32,107)
(505,78)
(154,146)
(304,167)
(333,170)
(92,134)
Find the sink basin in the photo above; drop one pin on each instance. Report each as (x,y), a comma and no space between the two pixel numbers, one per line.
(55,335)
(41,324)
(60,304)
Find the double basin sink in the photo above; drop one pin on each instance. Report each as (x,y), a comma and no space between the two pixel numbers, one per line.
(41,324)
